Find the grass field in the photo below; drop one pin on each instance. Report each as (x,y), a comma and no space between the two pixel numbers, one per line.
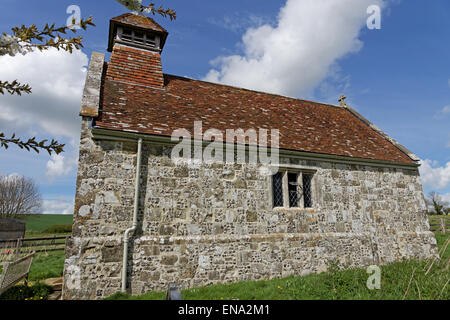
(402,280)
(50,264)
(37,223)
(47,265)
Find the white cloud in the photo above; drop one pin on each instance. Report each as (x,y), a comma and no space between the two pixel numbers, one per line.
(293,57)
(59,166)
(446,197)
(443,113)
(61,206)
(434,176)
(57,80)
(446,110)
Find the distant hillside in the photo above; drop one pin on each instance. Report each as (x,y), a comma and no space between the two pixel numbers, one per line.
(40,222)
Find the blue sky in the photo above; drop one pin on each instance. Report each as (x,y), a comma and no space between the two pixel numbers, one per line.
(398,76)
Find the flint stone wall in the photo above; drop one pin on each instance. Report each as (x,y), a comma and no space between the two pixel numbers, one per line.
(214,223)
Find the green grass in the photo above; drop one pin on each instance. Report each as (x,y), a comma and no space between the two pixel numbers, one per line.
(44,266)
(399,280)
(51,264)
(38,223)
(441,238)
(47,265)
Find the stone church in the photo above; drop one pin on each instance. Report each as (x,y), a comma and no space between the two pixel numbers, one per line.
(343,191)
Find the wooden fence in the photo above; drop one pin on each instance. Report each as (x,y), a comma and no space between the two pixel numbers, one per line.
(440,224)
(20,246)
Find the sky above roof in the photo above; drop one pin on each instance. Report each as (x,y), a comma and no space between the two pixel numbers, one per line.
(398,76)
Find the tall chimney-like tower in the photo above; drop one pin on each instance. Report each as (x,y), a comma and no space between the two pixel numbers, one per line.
(136,43)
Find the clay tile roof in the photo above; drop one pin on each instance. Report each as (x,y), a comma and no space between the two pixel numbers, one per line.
(303,125)
(138,21)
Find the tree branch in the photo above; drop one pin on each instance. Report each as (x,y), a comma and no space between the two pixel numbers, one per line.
(31,144)
(24,40)
(50,36)
(14,88)
(161,11)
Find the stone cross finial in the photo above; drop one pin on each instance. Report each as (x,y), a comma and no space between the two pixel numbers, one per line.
(342,101)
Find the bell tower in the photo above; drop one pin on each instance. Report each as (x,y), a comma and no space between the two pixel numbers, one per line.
(136,43)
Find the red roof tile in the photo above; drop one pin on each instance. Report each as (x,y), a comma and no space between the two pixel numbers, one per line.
(133,20)
(303,125)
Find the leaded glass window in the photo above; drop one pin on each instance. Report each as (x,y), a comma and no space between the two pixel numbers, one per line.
(277,189)
(293,189)
(307,194)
